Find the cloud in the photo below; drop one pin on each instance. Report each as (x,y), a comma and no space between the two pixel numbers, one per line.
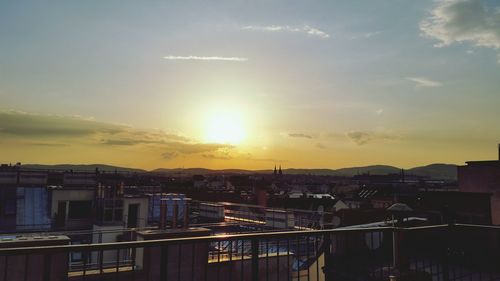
(364,137)
(300,135)
(170,155)
(287,28)
(194,148)
(379,111)
(463,21)
(424,82)
(52,130)
(211,58)
(36,126)
(121,142)
(365,35)
(216,157)
(320,146)
(48,144)
(360,138)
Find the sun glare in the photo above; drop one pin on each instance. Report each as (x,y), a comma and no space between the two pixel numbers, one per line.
(225,127)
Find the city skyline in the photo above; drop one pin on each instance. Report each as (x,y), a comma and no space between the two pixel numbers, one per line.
(234,84)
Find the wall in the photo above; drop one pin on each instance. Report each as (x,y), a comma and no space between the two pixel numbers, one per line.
(66,195)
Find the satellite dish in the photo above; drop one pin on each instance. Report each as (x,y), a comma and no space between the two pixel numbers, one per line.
(399,207)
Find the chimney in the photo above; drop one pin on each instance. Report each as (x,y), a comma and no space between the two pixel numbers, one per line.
(185,222)
(163,213)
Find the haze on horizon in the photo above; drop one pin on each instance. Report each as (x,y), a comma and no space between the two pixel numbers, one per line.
(249,84)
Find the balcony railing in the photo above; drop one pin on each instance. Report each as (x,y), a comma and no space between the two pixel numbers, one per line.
(441,252)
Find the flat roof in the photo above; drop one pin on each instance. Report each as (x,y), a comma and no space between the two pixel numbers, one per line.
(484,162)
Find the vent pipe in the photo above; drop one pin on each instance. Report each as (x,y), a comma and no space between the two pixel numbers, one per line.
(175,212)
(185,222)
(163,213)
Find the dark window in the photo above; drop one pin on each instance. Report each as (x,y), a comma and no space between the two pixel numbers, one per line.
(118,214)
(108,215)
(10,207)
(79,209)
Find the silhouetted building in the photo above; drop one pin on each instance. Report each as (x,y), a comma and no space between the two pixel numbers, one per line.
(484,177)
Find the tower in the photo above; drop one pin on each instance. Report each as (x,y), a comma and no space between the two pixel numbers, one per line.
(280,172)
(275,171)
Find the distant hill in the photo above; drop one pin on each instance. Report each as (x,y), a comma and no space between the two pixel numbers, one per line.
(204,171)
(373,170)
(434,171)
(78,167)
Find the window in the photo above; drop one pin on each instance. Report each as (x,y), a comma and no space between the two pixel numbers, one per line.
(76,256)
(9,207)
(79,209)
(118,214)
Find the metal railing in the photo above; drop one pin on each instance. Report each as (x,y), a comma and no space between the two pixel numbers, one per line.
(441,252)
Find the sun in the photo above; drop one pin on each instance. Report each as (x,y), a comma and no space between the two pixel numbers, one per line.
(224,126)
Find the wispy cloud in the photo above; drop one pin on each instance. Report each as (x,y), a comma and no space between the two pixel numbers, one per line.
(208,58)
(306,29)
(216,157)
(320,146)
(424,82)
(300,135)
(365,35)
(169,155)
(364,137)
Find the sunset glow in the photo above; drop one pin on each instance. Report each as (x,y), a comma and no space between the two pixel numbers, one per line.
(248,84)
(226,127)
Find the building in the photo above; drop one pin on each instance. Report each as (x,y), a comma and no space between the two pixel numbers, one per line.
(483,177)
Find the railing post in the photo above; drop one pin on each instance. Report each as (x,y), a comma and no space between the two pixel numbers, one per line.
(327,255)
(47,264)
(446,253)
(395,248)
(163,262)
(400,255)
(255,259)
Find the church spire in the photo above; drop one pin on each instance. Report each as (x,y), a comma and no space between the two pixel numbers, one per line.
(275,171)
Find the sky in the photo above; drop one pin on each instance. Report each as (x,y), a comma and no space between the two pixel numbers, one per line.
(249,84)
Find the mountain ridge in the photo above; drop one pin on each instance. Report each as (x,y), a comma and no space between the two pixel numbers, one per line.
(434,171)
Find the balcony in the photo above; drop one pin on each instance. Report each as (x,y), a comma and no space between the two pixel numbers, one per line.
(441,252)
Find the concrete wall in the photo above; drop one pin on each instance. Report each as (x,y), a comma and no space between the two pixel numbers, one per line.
(66,195)
(70,195)
(106,234)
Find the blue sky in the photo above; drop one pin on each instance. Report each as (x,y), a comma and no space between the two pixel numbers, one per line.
(357,80)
